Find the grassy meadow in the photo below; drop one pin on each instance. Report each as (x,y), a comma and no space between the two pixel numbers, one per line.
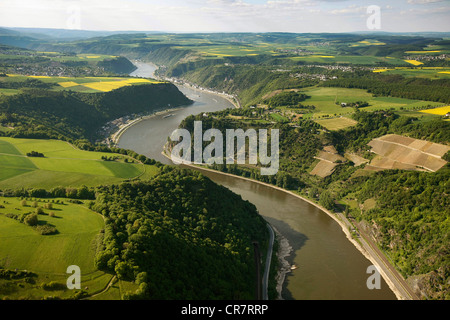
(337,123)
(419,72)
(325,100)
(78,234)
(48,256)
(63,165)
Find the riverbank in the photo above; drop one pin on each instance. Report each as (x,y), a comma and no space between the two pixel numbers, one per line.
(182,82)
(115,137)
(233,100)
(386,270)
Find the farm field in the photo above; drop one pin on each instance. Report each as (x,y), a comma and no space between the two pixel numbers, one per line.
(329,159)
(323,169)
(368,42)
(63,165)
(366,60)
(414,62)
(399,152)
(337,123)
(438,111)
(278,117)
(325,100)
(79,57)
(357,160)
(79,84)
(63,57)
(48,256)
(419,72)
(218,51)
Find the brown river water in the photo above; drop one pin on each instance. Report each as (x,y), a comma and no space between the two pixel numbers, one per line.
(329,267)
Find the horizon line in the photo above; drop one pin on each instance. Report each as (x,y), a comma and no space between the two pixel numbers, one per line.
(230,32)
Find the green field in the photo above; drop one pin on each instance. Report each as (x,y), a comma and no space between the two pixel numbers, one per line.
(279,118)
(366,60)
(325,99)
(234,50)
(419,72)
(63,165)
(23,248)
(337,123)
(79,57)
(332,115)
(78,228)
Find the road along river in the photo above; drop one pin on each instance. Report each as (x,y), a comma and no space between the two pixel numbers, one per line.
(329,266)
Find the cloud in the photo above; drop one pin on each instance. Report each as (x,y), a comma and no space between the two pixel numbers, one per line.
(424,1)
(350,10)
(225,15)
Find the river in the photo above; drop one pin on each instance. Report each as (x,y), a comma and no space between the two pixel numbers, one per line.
(329,266)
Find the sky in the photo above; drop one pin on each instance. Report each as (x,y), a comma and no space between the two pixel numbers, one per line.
(298,16)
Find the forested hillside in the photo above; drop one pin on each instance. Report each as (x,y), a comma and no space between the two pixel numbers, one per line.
(406,212)
(38,113)
(180,236)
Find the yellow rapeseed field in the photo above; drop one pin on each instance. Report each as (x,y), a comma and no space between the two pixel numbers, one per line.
(107,86)
(439,111)
(419,52)
(68,84)
(414,62)
(40,77)
(381,70)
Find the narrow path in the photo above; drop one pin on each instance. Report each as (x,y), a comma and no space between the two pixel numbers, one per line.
(111,282)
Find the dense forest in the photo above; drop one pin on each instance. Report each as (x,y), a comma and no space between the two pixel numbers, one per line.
(290,99)
(69,115)
(180,236)
(411,224)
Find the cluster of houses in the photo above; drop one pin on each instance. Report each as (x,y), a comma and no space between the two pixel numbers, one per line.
(443,56)
(297,51)
(314,76)
(52,70)
(45,66)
